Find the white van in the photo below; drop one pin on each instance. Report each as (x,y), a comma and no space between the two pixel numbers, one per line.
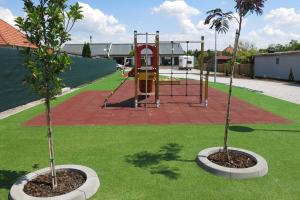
(186,62)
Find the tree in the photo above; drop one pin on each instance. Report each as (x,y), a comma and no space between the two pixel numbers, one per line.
(209,55)
(246,52)
(47,25)
(132,53)
(86,51)
(243,9)
(218,20)
(246,46)
(293,45)
(83,53)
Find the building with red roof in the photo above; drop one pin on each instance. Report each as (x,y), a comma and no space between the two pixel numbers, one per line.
(10,36)
(229,49)
(223,59)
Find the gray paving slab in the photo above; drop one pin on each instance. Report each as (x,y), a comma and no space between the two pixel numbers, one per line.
(277,89)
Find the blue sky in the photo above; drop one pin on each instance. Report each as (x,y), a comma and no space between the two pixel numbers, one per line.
(115,20)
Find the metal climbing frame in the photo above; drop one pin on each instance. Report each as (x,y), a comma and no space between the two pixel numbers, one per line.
(186,73)
(144,74)
(147,73)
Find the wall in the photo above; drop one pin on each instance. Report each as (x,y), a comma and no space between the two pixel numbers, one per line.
(265,66)
(14,92)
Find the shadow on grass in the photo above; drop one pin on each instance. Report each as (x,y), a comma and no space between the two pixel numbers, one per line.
(151,160)
(169,172)
(245,129)
(9,177)
(279,130)
(241,129)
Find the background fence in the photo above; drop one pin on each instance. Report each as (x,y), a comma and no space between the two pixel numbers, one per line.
(241,69)
(13,91)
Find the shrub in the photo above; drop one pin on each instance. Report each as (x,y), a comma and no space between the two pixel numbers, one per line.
(291,76)
(86,51)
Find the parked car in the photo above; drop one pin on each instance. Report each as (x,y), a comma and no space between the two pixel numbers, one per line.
(120,67)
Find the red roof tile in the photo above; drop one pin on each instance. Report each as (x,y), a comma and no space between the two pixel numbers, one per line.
(229,49)
(10,36)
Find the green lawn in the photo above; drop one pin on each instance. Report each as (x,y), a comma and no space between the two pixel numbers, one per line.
(157,162)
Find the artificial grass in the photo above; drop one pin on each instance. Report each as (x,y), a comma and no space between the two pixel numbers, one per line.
(158,162)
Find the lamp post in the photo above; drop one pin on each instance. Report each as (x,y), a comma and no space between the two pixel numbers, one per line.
(216,59)
(107,51)
(216,52)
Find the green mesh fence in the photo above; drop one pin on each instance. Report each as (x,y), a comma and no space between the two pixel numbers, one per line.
(14,92)
(85,70)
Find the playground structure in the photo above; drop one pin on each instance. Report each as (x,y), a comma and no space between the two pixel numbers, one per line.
(146,72)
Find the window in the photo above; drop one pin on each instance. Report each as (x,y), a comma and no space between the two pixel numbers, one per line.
(189,62)
(277,61)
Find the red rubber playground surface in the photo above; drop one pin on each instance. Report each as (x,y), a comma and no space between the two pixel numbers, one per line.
(86,109)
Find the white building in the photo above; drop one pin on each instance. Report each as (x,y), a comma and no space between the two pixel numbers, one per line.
(278,65)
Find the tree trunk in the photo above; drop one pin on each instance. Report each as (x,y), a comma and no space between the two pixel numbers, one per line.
(50,144)
(236,42)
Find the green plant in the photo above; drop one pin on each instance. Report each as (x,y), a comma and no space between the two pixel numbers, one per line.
(132,53)
(252,71)
(220,22)
(227,67)
(47,25)
(246,52)
(291,76)
(86,51)
(293,45)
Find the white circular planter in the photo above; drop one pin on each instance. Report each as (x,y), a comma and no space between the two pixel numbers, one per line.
(87,190)
(258,170)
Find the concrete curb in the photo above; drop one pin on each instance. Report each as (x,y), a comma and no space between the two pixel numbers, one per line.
(86,191)
(260,169)
(21,108)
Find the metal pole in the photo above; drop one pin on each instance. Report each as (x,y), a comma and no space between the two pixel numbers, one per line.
(206,89)
(135,72)
(201,69)
(216,60)
(172,65)
(146,70)
(186,68)
(157,71)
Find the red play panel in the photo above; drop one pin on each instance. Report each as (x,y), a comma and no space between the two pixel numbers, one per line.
(86,109)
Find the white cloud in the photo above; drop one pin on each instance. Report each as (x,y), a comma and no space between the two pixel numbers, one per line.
(273,32)
(97,21)
(103,27)
(182,11)
(283,17)
(282,26)
(177,7)
(270,35)
(193,31)
(7,16)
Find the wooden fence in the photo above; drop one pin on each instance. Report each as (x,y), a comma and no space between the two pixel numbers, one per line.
(240,70)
